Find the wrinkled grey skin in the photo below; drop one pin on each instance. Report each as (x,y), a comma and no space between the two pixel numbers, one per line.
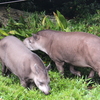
(19,60)
(76,48)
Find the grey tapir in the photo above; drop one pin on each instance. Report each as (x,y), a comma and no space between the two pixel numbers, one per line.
(76,48)
(23,63)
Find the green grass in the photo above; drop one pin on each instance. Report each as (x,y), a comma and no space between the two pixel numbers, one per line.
(69,88)
(61,89)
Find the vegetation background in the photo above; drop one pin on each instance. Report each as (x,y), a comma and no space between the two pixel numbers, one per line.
(62,15)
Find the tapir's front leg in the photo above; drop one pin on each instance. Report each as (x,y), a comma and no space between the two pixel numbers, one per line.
(73,71)
(59,66)
(78,73)
(61,69)
(91,75)
(31,85)
(28,83)
(23,83)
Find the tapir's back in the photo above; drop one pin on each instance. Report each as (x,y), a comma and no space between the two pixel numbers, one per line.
(13,44)
(12,50)
(15,50)
(67,45)
(63,38)
(65,35)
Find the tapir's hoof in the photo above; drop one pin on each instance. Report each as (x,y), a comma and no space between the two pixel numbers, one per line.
(78,73)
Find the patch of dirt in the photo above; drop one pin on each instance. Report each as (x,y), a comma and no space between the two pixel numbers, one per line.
(6,13)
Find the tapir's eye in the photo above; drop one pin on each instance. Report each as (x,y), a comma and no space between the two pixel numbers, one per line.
(41,83)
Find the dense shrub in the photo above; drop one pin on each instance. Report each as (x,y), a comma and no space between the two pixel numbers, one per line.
(69,8)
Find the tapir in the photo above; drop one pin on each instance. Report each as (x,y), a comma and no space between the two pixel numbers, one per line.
(26,65)
(76,48)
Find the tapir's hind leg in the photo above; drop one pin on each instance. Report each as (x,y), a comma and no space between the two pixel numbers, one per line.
(4,69)
(96,68)
(99,73)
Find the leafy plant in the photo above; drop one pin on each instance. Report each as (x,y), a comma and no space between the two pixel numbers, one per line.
(61,21)
(2,34)
(49,24)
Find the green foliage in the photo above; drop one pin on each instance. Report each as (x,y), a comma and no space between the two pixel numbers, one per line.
(89,24)
(47,23)
(2,33)
(61,21)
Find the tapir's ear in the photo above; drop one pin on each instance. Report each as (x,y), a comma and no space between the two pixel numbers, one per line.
(36,37)
(36,69)
(48,67)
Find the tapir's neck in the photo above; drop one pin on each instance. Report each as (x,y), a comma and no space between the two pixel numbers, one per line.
(41,47)
(44,50)
(46,46)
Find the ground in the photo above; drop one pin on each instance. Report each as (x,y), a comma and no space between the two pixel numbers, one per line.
(6,13)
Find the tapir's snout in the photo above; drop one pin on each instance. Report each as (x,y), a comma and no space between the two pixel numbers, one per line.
(27,43)
(47,93)
(45,89)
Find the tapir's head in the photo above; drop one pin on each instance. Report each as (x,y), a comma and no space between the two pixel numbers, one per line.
(41,79)
(35,42)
